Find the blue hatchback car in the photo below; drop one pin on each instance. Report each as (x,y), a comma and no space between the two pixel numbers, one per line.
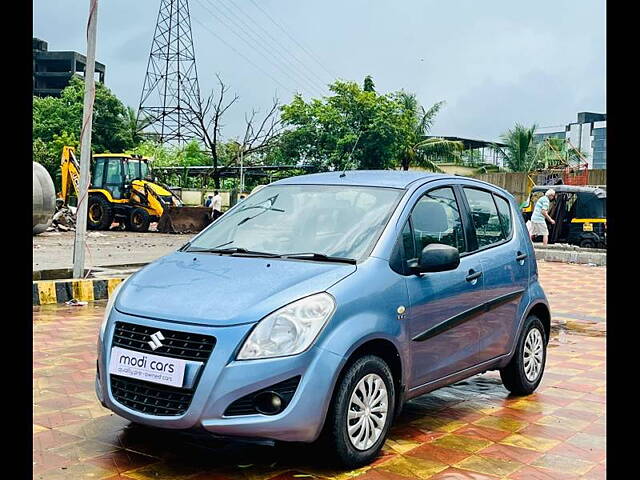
(312,310)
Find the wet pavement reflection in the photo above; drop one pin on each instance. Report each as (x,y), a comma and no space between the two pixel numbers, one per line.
(471,430)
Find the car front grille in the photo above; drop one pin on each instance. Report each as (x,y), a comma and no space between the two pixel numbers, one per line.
(246,406)
(183,345)
(150,398)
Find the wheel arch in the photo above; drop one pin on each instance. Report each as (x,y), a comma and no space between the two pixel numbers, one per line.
(387,351)
(99,192)
(541,310)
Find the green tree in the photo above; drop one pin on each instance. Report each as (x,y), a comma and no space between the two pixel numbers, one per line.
(351,128)
(368,85)
(135,126)
(48,154)
(420,150)
(520,151)
(63,115)
(556,153)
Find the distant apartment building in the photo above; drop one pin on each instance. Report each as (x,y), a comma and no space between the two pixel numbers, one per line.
(589,134)
(53,70)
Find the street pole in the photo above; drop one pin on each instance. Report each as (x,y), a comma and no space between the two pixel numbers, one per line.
(85,142)
(241,169)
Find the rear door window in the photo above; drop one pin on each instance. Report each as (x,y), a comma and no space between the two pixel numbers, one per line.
(504,211)
(485,217)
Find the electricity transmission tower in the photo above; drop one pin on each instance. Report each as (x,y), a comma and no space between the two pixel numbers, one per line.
(170,90)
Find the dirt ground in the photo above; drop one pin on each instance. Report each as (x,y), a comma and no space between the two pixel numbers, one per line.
(52,250)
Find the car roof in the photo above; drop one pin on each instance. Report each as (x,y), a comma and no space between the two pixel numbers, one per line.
(599,192)
(368,178)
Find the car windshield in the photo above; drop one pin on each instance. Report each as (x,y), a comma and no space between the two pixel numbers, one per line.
(331,220)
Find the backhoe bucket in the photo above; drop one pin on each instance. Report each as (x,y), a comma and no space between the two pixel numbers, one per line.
(184,219)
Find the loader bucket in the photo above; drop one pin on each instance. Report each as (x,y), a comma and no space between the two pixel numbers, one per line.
(184,219)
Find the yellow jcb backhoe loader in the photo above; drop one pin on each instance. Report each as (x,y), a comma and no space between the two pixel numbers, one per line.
(121,191)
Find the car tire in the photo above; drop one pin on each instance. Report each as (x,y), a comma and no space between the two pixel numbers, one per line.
(99,213)
(523,373)
(138,220)
(587,243)
(368,374)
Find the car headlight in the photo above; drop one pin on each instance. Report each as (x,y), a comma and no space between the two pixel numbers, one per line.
(289,330)
(110,304)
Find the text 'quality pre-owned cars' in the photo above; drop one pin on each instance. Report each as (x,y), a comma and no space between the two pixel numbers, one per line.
(314,308)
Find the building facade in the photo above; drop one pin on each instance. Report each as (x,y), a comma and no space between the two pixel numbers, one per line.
(589,134)
(53,70)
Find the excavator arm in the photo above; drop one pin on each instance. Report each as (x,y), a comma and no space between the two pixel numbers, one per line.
(70,169)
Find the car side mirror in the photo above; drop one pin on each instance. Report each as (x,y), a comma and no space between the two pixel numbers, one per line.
(437,257)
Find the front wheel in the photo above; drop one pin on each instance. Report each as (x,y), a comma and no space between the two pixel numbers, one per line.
(139,220)
(361,412)
(523,373)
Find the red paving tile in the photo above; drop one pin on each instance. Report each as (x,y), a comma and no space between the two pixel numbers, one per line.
(470,431)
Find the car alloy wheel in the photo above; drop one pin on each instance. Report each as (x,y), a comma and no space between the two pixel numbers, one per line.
(532,354)
(367,414)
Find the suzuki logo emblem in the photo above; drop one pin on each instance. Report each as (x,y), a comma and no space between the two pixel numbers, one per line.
(155,340)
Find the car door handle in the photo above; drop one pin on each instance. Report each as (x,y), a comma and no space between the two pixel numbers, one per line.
(472,276)
(521,256)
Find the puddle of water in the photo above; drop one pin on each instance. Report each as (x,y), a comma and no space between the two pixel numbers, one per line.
(560,331)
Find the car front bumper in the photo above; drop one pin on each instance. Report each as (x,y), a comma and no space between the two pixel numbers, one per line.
(222,380)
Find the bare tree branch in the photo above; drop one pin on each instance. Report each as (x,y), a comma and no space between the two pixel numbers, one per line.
(259,137)
(206,118)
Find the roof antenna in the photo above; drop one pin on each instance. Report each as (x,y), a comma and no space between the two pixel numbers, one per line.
(350,154)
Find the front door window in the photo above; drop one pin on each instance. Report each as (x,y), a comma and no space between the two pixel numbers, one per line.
(114,178)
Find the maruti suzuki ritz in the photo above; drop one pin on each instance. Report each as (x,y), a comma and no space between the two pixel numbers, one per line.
(313,309)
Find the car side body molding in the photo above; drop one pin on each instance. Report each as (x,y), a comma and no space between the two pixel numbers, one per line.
(456,320)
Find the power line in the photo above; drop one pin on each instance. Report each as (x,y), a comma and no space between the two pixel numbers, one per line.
(256,43)
(308,52)
(263,43)
(286,88)
(282,47)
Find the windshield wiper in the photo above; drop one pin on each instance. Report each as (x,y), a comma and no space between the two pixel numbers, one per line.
(319,257)
(234,251)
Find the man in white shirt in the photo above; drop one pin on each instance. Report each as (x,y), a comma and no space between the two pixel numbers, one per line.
(540,216)
(216,205)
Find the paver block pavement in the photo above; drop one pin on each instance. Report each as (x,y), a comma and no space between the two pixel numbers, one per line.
(472,430)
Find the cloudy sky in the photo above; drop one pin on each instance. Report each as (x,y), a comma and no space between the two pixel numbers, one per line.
(494,62)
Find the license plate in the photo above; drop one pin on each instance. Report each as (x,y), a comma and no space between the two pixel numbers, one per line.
(587,227)
(147,367)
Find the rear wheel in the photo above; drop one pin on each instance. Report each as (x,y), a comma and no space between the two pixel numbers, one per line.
(139,220)
(587,243)
(361,412)
(99,213)
(524,372)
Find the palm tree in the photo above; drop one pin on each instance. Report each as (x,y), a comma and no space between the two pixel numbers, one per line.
(136,126)
(519,152)
(421,150)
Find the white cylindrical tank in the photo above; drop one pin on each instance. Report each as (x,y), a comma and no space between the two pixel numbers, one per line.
(44,199)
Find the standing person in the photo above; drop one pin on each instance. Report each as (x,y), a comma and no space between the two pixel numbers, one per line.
(208,202)
(216,205)
(540,213)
